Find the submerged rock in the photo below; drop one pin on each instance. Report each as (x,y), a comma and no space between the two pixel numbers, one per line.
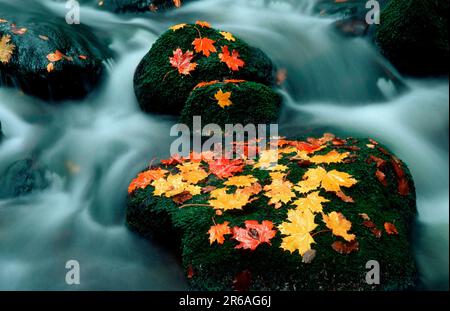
(413,35)
(161,88)
(243,103)
(49,58)
(23,177)
(312,223)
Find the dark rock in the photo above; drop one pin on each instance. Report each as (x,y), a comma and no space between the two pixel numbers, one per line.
(73,76)
(23,177)
(252,103)
(160,88)
(413,35)
(213,266)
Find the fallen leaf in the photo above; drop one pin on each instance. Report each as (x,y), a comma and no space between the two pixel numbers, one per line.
(203,84)
(297,231)
(145,178)
(242,281)
(254,234)
(203,24)
(174,160)
(173,185)
(208,189)
(364,216)
(50,67)
(82,57)
(224,168)
(241,181)
(228,36)
(178,26)
(345,247)
(253,189)
(345,198)
(279,191)
(390,228)
(379,161)
(376,232)
(6,49)
(381,177)
(223,99)
(231,60)
(18,31)
(330,181)
(403,187)
(192,172)
(217,232)
(190,272)
(281,76)
(339,225)
(42,37)
(204,45)
(331,157)
(3,21)
(182,61)
(182,197)
(177,3)
(368,224)
(313,201)
(55,57)
(221,199)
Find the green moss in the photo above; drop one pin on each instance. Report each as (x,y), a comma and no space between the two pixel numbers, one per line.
(160,88)
(252,103)
(215,266)
(413,35)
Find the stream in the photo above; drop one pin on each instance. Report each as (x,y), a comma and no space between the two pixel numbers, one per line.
(94,147)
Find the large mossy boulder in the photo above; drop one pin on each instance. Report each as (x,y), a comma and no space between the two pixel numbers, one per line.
(236,102)
(161,88)
(78,63)
(312,223)
(413,35)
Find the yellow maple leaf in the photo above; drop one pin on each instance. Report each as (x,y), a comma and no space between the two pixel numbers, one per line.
(178,26)
(223,99)
(241,181)
(330,181)
(173,185)
(192,172)
(268,159)
(331,157)
(297,231)
(313,202)
(220,199)
(228,36)
(6,49)
(339,225)
(279,191)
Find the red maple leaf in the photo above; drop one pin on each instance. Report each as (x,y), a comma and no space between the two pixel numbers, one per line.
(224,168)
(232,60)
(182,61)
(204,45)
(253,234)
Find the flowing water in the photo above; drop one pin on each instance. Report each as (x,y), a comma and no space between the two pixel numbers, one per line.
(94,147)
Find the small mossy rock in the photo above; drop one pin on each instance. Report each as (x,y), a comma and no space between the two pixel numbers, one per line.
(160,88)
(130,6)
(213,266)
(23,177)
(413,35)
(72,77)
(251,103)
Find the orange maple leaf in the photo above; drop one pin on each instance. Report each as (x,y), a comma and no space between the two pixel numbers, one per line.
(224,168)
(182,61)
(145,178)
(390,228)
(232,60)
(55,57)
(203,24)
(204,45)
(217,232)
(253,234)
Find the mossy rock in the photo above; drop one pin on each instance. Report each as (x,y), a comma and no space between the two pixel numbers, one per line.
(215,266)
(160,88)
(141,6)
(413,35)
(252,103)
(72,77)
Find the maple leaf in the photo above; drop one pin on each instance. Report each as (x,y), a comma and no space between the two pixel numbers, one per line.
(192,172)
(331,157)
(178,26)
(42,37)
(267,159)
(50,67)
(82,57)
(182,197)
(297,231)
(203,84)
(220,199)
(279,191)
(345,247)
(232,60)
(217,232)
(145,178)
(173,185)
(204,45)
(172,160)
(252,190)
(182,61)
(177,3)
(6,49)
(381,177)
(390,228)
(223,99)
(339,225)
(18,31)
(203,24)
(345,198)
(330,181)
(241,181)
(228,36)
(313,202)
(224,168)
(55,57)
(254,234)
